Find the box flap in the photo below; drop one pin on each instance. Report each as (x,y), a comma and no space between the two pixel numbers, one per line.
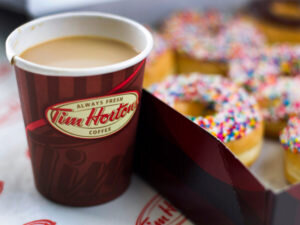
(194,170)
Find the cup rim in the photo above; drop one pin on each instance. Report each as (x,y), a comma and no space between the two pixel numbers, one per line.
(77,72)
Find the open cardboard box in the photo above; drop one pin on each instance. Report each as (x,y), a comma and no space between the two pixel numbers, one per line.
(203,179)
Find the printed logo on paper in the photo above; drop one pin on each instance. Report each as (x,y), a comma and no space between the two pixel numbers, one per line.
(1,186)
(41,222)
(11,113)
(159,211)
(95,117)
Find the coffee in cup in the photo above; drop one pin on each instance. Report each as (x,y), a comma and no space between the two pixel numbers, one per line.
(79,52)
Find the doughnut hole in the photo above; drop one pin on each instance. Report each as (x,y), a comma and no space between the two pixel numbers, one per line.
(194,108)
(292,166)
(272,127)
(187,64)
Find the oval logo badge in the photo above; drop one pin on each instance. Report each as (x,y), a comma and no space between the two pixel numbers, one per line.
(158,211)
(95,117)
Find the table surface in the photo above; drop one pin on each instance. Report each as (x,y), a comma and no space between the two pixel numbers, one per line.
(20,203)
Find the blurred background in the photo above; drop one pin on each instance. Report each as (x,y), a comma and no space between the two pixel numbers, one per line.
(146,11)
(16,12)
(13,12)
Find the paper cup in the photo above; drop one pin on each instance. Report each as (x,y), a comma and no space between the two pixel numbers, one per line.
(80,123)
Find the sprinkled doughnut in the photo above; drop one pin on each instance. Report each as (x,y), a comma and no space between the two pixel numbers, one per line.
(160,62)
(219,106)
(264,65)
(206,41)
(279,99)
(279,20)
(290,141)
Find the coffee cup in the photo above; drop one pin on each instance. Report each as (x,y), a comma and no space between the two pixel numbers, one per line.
(80,122)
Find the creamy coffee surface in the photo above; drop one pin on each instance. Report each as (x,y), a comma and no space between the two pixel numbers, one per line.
(79,52)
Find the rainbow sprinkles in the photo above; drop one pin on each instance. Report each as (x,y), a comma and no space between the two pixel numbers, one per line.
(236,112)
(211,35)
(290,135)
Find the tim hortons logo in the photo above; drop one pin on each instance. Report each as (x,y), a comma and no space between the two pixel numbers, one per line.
(96,117)
(158,211)
(41,222)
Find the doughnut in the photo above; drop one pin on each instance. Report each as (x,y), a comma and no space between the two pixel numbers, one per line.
(278,99)
(271,74)
(160,62)
(219,106)
(265,64)
(290,141)
(278,20)
(206,41)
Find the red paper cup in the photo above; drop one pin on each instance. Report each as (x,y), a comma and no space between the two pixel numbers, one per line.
(80,123)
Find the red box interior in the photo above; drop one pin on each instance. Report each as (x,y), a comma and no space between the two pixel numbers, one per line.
(201,177)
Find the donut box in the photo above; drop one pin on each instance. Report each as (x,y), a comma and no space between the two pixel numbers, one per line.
(201,177)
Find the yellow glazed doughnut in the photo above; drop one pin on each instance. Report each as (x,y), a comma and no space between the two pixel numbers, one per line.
(278,20)
(279,100)
(290,141)
(206,41)
(219,106)
(161,61)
